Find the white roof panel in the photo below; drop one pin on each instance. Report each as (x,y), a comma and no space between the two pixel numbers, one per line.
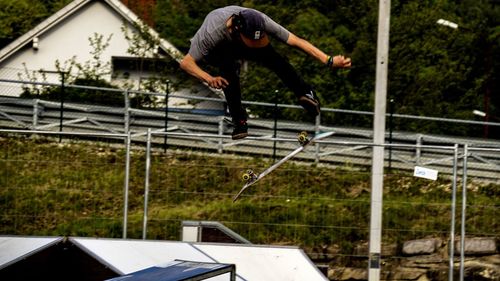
(15,248)
(270,263)
(265,262)
(253,263)
(128,256)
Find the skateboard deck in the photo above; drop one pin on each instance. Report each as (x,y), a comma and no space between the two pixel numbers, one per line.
(251,178)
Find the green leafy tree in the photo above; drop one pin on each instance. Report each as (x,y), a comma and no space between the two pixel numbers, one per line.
(18,17)
(433,70)
(437,71)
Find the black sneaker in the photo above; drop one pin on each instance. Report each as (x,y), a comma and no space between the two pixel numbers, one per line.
(240,130)
(310,103)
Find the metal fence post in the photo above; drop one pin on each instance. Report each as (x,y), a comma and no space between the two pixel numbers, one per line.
(418,151)
(126,113)
(146,184)
(221,132)
(464,202)
(126,185)
(35,112)
(166,117)
(453,211)
(275,130)
(391,124)
(61,112)
(317,125)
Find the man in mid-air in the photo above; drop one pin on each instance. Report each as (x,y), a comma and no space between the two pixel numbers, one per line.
(231,34)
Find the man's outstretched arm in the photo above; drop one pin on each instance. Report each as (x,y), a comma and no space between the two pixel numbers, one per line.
(336,61)
(189,65)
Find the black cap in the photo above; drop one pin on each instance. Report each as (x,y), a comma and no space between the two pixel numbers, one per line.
(252,24)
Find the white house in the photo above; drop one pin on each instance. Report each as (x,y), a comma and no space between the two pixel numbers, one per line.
(65,35)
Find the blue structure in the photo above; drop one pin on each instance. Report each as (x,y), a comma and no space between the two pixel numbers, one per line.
(179,270)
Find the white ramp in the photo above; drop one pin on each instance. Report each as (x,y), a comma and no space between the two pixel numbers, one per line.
(253,263)
(13,249)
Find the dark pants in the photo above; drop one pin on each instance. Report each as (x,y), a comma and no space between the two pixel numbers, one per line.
(227,58)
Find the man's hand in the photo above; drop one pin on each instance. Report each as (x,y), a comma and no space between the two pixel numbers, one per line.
(341,62)
(190,66)
(217,82)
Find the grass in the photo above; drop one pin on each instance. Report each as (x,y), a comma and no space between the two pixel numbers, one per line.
(76,188)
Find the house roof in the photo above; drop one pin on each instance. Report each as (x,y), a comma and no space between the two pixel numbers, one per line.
(72,8)
(15,248)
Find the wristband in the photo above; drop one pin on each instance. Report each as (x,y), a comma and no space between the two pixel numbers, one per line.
(329,62)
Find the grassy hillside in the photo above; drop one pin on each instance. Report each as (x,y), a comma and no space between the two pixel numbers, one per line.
(76,188)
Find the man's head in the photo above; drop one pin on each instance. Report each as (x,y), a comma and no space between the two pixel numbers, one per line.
(251,27)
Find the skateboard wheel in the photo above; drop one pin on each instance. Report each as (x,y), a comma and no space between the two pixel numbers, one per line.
(247,176)
(302,137)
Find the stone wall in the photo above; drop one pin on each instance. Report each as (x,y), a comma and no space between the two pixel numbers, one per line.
(424,260)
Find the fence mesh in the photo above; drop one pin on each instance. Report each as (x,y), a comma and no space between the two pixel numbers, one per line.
(52,188)
(75,186)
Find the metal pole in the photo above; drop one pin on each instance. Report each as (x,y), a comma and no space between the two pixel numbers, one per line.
(127,113)
(453,207)
(316,131)
(126,185)
(61,110)
(166,118)
(146,184)
(275,122)
(464,202)
(221,132)
(378,140)
(418,151)
(391,110)
(35,112)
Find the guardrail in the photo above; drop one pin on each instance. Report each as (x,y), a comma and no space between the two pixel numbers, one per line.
(193,128)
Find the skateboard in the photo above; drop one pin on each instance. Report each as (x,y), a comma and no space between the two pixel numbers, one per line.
(250,177)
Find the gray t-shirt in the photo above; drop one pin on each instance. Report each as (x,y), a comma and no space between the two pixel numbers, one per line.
(214,31)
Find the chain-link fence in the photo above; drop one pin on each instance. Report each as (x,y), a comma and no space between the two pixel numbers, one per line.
(49,187)
(184,167)
(84,184)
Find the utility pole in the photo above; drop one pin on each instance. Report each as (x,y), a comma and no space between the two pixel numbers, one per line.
(378,140)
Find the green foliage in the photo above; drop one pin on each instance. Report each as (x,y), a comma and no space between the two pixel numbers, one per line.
(18,17)
(179,20)
(433,70)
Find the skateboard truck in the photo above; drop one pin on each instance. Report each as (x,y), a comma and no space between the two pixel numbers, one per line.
(249,176)
(303,139)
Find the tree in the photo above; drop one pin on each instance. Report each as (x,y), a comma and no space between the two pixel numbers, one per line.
(433,70)
(18,17)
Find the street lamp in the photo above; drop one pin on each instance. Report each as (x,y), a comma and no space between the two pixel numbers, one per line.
(451,249)
(447,23)
(487,94)
(479,113)
(484,114)
(451,24)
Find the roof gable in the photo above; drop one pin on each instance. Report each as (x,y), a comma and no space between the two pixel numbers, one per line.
(74,8)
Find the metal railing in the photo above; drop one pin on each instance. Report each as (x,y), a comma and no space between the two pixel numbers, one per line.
(37,114)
